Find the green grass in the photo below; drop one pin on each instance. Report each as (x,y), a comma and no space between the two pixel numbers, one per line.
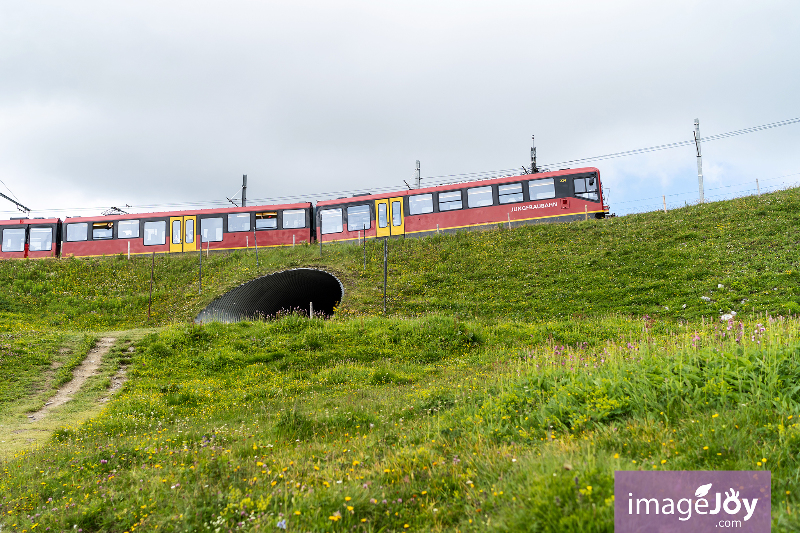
(456,425)
(652,264)
(516,371)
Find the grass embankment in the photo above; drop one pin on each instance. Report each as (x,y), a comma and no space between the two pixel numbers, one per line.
(421,424)
(653,264)
(507,385)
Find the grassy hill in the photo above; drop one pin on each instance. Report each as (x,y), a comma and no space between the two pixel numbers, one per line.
(517,369)
(652,264)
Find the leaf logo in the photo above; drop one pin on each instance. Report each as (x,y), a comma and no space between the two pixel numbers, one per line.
(702,490)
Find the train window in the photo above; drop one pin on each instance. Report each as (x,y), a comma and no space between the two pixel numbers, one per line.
(358,217)
(294,218)
(449,200)
(508,194)
(479,196)
(239,222)
(267,220)
(382,218)
(102,230)
(586,188)
(331,220)
(211,229)
(155,232)
(78,231)
(397,213)
(420,204)
(176,232)
(127,229)
(542,189)
(14,240)
(189,231)
(41,239)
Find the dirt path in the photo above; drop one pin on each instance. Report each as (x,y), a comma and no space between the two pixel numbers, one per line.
(86,369)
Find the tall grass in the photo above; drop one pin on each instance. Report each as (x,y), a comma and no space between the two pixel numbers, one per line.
(428,424)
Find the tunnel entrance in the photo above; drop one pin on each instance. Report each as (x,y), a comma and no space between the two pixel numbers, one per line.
(296,290)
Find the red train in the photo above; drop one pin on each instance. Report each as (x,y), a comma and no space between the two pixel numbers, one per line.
(544,197)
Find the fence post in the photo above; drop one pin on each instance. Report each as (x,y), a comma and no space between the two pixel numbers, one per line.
(152,269)
(758,187)
(255,241)
(585,212)
(385,261)
(365,247)
(200,291)
(310,309)
(664,198)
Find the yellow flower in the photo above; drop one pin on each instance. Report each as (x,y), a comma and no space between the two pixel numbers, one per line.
(297,512)
(616,456)
(663,461)
(347,498)
(705,447)
(715,415)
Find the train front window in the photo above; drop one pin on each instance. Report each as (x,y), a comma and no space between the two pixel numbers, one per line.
(78,232)
(211,229)
(127,229)
(189,231)
(331,220)
(358,217)
(294,218)
(449,200)
(508,194)
(382,219)
(155,232)
(586,188)
(41,239)
(14,240)
(176,232)
(479,196)
(420,204)
(239,222)
(542,189)
(267,220)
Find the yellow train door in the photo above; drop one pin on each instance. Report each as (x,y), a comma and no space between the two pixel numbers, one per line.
(182,234)
(189,234)
(397,225)
(382,218)
(175,234)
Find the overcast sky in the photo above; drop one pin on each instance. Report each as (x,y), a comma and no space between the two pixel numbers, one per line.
(158,103)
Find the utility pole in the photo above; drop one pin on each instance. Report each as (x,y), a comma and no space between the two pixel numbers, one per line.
(534,168)
(699,158)
(417,179)
(244,190)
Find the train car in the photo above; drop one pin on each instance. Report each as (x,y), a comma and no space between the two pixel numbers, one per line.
(29,237)
(228,228)
(560,196)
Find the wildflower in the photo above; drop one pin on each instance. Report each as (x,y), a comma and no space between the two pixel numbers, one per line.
(336,516)
(281,524)
(705,447)
(347,498)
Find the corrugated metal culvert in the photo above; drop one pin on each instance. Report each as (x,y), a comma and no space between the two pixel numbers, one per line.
(296,290)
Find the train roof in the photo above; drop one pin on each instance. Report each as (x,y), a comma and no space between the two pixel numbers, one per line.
(451,186)
(190,212)
(15,221)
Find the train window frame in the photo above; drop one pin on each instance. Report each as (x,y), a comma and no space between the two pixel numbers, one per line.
(539,183)
(13,232)
(300,213)
(420,204)
(176,231)
(472,192)
(265,217)
(122,227)
(238,222)
(352,226)
(214,224)
(329,215)
(78,232)
(42,230)
(189,231)
(447,204)
(509,197)
(98,227)
(383,215)
(152,233)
